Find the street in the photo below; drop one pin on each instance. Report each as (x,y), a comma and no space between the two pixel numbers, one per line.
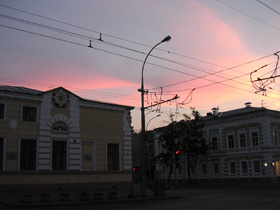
(209,196)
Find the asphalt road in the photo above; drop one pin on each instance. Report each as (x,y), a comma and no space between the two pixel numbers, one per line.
(198,197)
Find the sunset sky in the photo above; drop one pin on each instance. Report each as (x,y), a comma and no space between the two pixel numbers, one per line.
(215,46)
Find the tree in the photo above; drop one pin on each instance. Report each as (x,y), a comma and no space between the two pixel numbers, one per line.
(168,141)
(191,136)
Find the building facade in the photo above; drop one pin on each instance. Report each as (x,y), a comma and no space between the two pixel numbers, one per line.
(56,138)
(244,146)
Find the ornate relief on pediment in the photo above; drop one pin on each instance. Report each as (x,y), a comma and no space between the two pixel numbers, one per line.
(60,98)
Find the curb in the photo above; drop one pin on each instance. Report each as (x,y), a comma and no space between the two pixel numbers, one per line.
(82,203)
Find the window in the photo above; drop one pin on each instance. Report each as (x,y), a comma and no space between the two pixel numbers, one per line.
(87,156)
(1,154)
(216,168)
(204,169)
(28,154)
(257,166)
(242,140)
(59,154)
(255,138)
(2,111)
(29,114)
(232,167)
(244,167)
(275,136)
(230,141)
(113,157)
(214,142)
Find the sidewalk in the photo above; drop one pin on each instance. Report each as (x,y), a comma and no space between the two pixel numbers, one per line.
(85,197)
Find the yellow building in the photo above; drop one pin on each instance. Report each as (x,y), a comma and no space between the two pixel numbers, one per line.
(56,139)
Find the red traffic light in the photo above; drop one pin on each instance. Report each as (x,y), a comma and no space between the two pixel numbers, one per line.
(177,152)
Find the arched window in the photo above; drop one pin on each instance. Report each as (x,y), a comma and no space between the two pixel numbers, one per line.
(60,126)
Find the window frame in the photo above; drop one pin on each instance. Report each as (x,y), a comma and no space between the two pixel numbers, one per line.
(214,168)
(253,142)
(230,142)
(20,157)
(2,168)
(275,136)
(119,155)
(66,155)
(23,115)
(4,111)
(254,167)
(240,132)
(93,156)
(215,147)
(230,168)
(243,173)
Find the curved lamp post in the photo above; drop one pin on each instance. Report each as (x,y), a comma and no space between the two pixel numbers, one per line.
(143,117)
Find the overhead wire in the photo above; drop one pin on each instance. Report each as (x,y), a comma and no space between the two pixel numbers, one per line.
(120,46)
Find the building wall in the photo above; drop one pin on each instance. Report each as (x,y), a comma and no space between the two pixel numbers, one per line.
(85,122)
(228,162)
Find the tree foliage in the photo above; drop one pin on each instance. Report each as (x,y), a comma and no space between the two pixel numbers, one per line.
(186,136)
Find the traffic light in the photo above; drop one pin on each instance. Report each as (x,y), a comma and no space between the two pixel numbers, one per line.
(177,155)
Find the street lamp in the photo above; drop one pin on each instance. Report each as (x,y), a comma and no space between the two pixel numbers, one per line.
(143,116)
(151,120)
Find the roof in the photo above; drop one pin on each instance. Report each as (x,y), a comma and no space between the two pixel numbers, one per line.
(237,112)
(20,90)
(24,90)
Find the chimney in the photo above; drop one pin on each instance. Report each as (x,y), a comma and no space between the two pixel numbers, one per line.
(248,104)
(215,111)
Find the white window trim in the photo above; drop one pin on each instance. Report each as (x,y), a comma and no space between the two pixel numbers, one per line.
(67,152)
(275,129)
(243,131)
(229,169)
(37,113)
(241,171)
(219,168)
(4,151)
(253,167)
(93,152)
(251,139)
(230,133)
(5,111)
(214,135)
(120,154)
(37,150)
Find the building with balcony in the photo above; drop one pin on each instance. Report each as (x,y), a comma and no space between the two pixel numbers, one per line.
(56,139)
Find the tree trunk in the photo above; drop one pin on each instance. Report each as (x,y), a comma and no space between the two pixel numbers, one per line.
(189,169)
(170,172)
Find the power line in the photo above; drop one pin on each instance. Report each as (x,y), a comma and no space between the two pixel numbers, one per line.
(112,44)
(257,19)
(269,7)
(111,36)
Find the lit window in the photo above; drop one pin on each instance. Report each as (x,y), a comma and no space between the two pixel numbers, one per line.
(28,154)
(29,114)
(113,157)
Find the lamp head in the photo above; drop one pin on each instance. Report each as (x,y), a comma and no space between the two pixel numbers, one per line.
(166,39)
